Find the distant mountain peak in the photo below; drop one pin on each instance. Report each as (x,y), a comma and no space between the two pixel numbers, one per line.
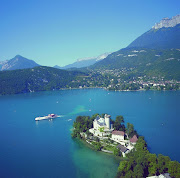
(100,57)
(84,62)
(17,56)
(18,62)
(167,22)
(85,59)
(164,35)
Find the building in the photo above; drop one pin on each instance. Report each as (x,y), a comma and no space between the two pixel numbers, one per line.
(165,175)
(102,126)
(123,149)
(133,140)
(118,135)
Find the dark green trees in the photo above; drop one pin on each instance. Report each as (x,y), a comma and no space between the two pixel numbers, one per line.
(130,130)
(152,164)
(117,152)
(163,162)
(118,123)
(142,163)
(82,124)
(174,169)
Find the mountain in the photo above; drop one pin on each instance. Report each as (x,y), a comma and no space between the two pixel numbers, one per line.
(168,22)
(84,62)
(143,61)
(18,62)
(165,34)
(36,79)
(155,53)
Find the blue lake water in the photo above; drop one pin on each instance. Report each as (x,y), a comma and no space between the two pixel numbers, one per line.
(45,149)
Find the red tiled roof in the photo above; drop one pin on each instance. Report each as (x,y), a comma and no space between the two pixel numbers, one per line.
(116,132)
(134,139)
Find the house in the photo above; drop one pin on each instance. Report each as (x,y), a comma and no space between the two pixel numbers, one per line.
(133,140)
(102,126)
(165,175)
(118,135)
(123,149)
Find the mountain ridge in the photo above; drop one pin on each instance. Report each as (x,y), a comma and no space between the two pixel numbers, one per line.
(158,38)
(84,62)
(39,78)
(167,22)
(18,62)
(143,61)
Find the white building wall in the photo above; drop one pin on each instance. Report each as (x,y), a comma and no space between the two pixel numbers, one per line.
(95,125)
(117,137)
(107,121)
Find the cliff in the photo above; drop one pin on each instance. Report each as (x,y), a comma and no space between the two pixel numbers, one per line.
(168,22)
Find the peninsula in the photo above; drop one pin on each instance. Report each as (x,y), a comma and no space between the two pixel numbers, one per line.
(111,136)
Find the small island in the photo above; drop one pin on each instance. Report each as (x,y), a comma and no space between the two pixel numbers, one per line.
(111,136)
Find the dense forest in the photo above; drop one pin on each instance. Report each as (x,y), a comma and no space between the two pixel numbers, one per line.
(35,79)
(142,163)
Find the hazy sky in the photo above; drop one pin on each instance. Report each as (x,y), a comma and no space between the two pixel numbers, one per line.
(60,31)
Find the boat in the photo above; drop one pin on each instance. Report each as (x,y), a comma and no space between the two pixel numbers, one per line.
(50,116)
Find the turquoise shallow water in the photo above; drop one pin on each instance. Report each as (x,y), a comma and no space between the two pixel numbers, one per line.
(45,148)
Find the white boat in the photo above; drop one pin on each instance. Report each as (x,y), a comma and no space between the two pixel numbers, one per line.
(50,116)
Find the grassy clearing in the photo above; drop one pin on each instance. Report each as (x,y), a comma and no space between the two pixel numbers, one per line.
(109,147)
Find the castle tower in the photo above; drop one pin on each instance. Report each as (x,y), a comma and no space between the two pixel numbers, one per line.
(107,121)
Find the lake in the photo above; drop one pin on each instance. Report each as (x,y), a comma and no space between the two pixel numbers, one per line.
(32,148)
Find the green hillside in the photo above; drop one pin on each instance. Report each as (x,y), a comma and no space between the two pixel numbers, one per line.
(142,61)
(35,79)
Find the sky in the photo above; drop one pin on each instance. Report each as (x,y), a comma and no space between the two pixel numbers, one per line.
(58,32)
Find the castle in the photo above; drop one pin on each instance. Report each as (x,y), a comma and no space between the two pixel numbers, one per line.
(102,126)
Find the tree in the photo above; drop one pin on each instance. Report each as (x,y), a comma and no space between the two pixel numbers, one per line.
(118,123)
(138,171)
(94,116)
(123,168)
(119,119)
(152,169)
(129,174)
(163,162)
(141,145)
(152,164)
(130,129)
(117,152)
(98,146)
(174,169)
(88,133)
(74,133)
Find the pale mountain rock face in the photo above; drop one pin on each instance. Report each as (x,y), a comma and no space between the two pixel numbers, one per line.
(100,57)
(103,56)
(168,22)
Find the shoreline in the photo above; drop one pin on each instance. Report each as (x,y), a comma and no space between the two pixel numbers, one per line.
(104,152)
(137,158)
(84,88)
